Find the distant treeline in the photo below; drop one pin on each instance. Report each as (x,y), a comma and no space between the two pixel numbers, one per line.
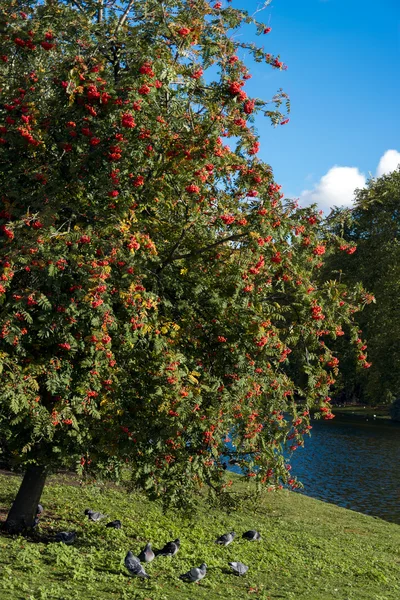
(373,226)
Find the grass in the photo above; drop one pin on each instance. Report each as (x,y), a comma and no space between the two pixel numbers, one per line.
(366,412)
(309,550)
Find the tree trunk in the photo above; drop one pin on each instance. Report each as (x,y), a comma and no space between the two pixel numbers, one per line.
(24,508)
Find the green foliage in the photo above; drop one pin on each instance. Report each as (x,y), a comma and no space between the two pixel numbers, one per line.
(155,289)
(374,227)
(309,549)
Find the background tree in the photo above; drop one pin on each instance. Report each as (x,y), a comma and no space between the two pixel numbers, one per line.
(153,285)
(373,227)
(395,410)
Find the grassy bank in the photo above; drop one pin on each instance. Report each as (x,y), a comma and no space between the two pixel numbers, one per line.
(309,550)
(365,412)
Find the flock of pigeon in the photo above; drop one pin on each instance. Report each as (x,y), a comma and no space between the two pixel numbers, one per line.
(134,563)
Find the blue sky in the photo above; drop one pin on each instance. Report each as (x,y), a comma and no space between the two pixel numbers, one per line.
(343,81)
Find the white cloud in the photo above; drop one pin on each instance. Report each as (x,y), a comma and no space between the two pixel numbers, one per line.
(388,162)
(335,188)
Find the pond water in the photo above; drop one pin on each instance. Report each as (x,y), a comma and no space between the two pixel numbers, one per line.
(353,463)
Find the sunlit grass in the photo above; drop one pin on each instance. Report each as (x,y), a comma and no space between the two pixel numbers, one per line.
(309,550)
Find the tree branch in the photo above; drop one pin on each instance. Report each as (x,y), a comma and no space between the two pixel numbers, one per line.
(100,13)
(124,16)
(231,238)
(174,247)
(78,5)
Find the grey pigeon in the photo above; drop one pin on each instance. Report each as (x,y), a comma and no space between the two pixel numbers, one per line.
(66,537)
(251,535)
(39,509)
(195,574)
(94,516)
(132,563)
(115,524)
(170,549)
(147,554)
(225,539)
(238,568)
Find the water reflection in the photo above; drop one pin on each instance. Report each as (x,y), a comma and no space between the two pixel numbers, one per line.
(354,464)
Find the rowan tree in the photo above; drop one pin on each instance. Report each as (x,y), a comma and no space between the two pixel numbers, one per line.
(154,285)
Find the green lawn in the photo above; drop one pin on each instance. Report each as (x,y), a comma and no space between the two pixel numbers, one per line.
(309,550)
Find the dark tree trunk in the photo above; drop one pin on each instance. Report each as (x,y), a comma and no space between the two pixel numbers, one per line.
(24,508)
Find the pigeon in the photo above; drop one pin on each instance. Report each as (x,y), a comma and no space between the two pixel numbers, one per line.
(225,539)
(132,563)
(39,509)
(147,554)
(169,549)
(114,524)
(67,537)
(195,574)
(238,568)
(94,516)
(251,535)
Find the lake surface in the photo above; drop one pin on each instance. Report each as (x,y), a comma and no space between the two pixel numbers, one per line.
(354,464)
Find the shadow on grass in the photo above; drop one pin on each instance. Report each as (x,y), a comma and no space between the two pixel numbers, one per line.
(110,571)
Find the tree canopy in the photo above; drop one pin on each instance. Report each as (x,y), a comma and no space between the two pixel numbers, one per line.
(373,225)
(154,285)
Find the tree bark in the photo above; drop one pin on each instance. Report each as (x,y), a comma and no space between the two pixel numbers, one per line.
(24,508)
